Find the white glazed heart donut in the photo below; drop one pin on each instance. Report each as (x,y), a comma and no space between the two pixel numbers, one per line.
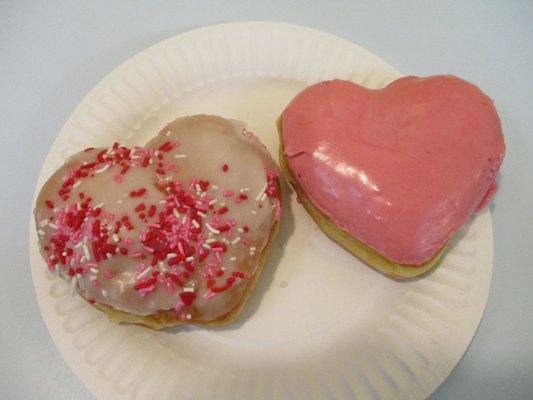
(173,233)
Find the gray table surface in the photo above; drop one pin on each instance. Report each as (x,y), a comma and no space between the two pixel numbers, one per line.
(52,53)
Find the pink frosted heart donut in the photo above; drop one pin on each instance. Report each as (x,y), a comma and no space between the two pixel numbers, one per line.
(391,174)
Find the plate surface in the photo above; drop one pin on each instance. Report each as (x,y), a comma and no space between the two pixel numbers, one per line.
(320,325)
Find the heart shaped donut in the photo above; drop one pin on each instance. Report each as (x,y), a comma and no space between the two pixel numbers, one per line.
(172,233)
(391,174)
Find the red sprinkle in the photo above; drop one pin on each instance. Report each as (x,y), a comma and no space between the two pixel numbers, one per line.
(243,196)
(223,210)
(187,297)
(49,204)
(225,167)
(151,211)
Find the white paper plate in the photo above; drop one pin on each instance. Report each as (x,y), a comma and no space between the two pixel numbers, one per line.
(305,334)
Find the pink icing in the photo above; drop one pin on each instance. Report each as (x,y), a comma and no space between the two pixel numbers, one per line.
(400,168)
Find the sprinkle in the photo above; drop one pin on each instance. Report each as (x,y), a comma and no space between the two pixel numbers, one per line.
(263,197)
(190,258)
(104,292)
(233,258)
(115,237)
(211,229)
(78,183)
(225,167)
(52,225)
(86,252)
(94,270)
(99,205)
(198,188)
(236,240)
(252,248)
(143,274)
(201,214)
(180,156)
(258,197)
(210,240)
(254,212)
(73,284)
(206,246)
(188,289)
(121,287)
(40,232)
(103,169)
(214,187)
(43,223)
(171,255)
(213,202)
(162,201)
(189,316)
(93,278)
(196,224)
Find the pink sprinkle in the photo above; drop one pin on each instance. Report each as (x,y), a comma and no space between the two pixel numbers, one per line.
(218,256)
(209,295)
(119,178)
(137,254)
(179,306)
(149,249)
(128,242)
(141,268)
(245,242)
(108,274)
(148,289)
(154,225)
(96,283)
(169,288)
(192,182)
(228,193)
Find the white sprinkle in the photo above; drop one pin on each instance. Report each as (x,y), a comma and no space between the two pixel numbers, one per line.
(236,240)
(56,209)
(109,255)
(233,258)
(161,264)
(254,212)
(103,169)
(180,156)
(183,219)
(210,240)
(78,206)
(213,202)
(52,225)
(252,248)
(43,223)
(241,190)
(40,232)
(78,183)
(64,254)
(162,202)
(201,214)
(144,273)
(73,284)
(246,189)
(156,153)
(214,187)
(168,133)
(109,151)
(189,259)
(261,192)
(86,252)
(93,278)
(223,268)
(171,255)
(263,197)
(198,188)
(211,229)
(203,195)
(241,230)
(188,289)
(72,261)
(99,205)
(196,224)
(104,292)
(151,161)
(121,287)
(206,246)
(94,270)
(115,237)
(78,245)
(189,316)
(83,259)
(53,257)
(222,204)
(175,212)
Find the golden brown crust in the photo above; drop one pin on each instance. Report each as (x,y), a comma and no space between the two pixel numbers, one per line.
(365,253)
